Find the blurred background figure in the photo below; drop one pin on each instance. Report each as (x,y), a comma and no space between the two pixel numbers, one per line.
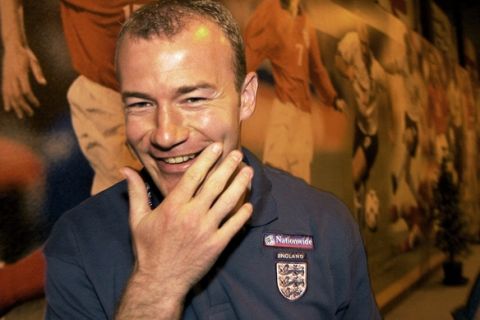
(280,32)
(90,30)
(356,62)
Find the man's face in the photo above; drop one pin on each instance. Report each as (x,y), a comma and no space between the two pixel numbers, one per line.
(180,97)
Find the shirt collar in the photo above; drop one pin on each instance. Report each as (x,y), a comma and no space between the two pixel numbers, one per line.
(155,197)
(264,205)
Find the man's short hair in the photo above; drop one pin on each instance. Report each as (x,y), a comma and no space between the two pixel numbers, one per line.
(167,18)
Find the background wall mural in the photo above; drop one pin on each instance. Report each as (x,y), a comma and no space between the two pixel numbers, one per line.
(408,107)
(351,99)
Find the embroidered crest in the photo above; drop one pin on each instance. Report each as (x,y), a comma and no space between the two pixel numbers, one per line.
(292,279)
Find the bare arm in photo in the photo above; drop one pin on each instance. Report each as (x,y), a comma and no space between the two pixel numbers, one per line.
(18,62)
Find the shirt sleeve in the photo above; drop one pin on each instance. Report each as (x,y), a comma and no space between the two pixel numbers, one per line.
(318,73)
(259,36)
(69,292)
(351,294)
(362,304)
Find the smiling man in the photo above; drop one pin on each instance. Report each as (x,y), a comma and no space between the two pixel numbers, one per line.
(205,231)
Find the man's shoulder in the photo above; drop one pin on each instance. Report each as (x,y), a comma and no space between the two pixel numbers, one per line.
(295,188)
(306,201)
(102,205)
(284,179)
(101,216)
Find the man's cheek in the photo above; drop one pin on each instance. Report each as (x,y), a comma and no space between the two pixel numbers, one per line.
(134,131)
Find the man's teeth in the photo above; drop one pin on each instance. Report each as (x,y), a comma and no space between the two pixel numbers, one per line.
(180,159)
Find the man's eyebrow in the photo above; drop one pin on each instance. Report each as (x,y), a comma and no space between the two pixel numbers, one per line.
(179,91)
(134,94)
(190,88)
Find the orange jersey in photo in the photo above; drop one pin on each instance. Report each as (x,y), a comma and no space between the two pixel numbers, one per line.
(291,45)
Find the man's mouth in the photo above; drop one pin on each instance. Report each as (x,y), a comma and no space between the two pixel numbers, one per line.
(179,159)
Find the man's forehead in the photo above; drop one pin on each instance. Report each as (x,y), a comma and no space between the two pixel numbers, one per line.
(197,40)
(199,37)
(197,28)
(203,30)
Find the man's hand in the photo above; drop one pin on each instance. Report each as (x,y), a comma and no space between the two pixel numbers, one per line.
(17,93)
(178,242)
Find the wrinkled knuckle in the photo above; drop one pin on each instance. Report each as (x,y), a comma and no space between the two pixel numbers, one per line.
(240,184)
(171,211)
(216,186)
(193,175)
(168,211)
(229,202)
(244,179)
(212,246)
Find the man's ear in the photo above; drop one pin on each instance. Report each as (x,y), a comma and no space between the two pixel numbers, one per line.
(248,96)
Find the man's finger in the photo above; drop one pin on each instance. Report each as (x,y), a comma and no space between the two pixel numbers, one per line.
(37,72)
(214,185)
(32,99)
(27,92)
(36,69)
(15,98)
(17,109)
(194,176)
(20,105)
(6,104)
(231,227)
(25,107)
(229,199)
(137,195)
(22,99)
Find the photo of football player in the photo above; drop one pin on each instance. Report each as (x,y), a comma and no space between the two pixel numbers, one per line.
(279,31)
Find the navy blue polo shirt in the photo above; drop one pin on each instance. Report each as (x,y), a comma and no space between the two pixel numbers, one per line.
(299,257)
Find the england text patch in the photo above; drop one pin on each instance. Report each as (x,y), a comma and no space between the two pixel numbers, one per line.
(288,241)
(291,256)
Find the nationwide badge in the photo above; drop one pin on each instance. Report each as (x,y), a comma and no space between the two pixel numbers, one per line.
(288,241)
(292,279)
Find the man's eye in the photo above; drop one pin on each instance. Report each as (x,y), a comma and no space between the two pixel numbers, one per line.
(193,100)
(139,105)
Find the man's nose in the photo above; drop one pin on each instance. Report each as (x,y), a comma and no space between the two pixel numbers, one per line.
(170,130)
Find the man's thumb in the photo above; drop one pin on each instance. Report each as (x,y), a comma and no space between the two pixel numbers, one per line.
(137,195)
